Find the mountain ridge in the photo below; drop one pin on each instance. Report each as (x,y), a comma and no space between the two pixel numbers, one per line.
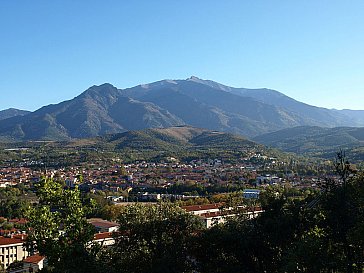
(105,109)
(316,141)
(12,112)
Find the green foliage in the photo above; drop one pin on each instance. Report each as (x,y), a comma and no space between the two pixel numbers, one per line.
(13,202)
(58,229)
(158,239)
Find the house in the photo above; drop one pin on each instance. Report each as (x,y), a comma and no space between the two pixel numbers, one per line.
(102,225)
(33,263)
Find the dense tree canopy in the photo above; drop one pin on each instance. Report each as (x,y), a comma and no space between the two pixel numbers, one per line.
(156,238)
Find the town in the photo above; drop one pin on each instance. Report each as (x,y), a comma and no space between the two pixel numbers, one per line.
(201,187)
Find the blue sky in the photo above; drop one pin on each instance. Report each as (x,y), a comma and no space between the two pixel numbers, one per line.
(311,50)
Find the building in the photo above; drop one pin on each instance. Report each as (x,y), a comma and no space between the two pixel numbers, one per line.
(11,250)
(212,214)
(33,263)
(102,225)
(212,218)
(251,194)
(104,238)
(201,209)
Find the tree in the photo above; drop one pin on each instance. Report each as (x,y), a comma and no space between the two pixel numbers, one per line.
(155,238)
(58,229)
(332,239)
(343,207)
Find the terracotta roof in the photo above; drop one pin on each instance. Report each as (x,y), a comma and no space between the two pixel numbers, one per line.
(9,241)
(202,207)
(35,259)
(102,223)
(103,235)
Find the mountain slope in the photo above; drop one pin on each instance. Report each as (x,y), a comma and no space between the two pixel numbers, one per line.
(176,138)
(311,140)
(310,115)
(203,106)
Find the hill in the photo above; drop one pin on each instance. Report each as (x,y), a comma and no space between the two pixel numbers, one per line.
(157,144)
(177,138)
(316,141)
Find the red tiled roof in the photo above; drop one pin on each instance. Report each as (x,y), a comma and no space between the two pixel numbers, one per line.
(9,241)
(35,259)
(103,235)
(202,207)
(102,223)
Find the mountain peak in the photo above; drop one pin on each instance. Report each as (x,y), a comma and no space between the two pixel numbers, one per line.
(103,85)
(194,78)
(102,89)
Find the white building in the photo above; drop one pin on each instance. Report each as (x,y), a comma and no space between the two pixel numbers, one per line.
(211,214)
(11,250)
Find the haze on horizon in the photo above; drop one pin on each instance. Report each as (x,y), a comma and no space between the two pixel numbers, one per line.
(311,51)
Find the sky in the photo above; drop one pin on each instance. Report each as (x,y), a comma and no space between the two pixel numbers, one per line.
(312,50)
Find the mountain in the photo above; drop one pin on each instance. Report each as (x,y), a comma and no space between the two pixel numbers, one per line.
(97,111)
(311,115)
(250,112)
(200,103)
(12,112)
(314,140)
